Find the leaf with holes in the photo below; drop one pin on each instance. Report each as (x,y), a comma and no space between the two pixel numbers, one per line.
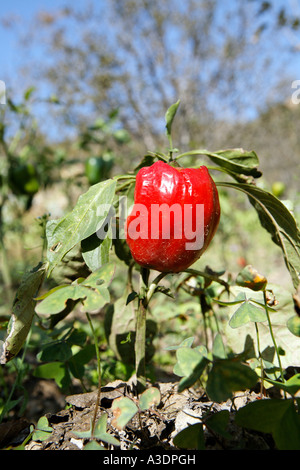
(123,410)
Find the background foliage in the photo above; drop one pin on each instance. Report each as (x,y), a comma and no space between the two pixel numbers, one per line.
(91,106)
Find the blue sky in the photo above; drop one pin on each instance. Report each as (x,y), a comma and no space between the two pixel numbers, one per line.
(23,11)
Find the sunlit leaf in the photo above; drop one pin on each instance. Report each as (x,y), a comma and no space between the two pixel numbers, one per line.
(148,398)
(123,411)
(247,312)
(87,217)
(92,292)
(293,325)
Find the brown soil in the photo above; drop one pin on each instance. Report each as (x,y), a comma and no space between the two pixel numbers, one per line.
(152,430)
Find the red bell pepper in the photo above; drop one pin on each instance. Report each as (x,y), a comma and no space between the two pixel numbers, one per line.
(175,215)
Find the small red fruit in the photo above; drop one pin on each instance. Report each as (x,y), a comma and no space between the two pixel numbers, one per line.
(175,215)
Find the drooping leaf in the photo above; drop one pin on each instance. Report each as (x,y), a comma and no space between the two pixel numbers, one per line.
(250,277)
(77,362)
(87,217)
(233,161)
(22,313)
(275,217)
(56,302)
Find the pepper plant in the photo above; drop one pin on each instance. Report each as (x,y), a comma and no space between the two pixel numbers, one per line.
(108,223)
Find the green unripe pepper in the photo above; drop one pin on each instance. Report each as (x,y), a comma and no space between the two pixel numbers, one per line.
(23,179)
(98,168)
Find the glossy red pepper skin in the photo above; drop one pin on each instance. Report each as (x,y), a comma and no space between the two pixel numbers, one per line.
(161,184)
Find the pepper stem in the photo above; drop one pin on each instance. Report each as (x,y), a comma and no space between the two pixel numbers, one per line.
(140,331)
(146,292)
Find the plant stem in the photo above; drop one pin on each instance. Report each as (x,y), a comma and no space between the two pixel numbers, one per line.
(99,371)
(140,338)
(261,360)
(272,336)
(145,295)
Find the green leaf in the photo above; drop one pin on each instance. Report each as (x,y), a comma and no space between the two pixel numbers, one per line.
(293,325)
(218,347)
(218,423)
(54,370)
(247,312)
(233,161)
(77,362)
(93,293)
(43,424)
(56,302)
(228,376)
(57,351)
(123,410)
(291,386)
(99,432)
(191,437)
(278,221)
(148,398)
(29,92)
(240,298)
(95,251)
(93,445)
(185,343)
(191,364)
(277,417)
(169,117)
(100,278)
(22,313)
(43,430)
(188,359)
(87,217)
